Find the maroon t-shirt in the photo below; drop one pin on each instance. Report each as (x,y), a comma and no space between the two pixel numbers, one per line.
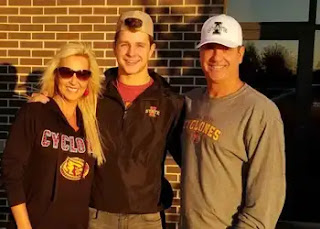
(131,92)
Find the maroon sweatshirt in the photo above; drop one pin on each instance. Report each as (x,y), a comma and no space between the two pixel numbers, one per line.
(46,165)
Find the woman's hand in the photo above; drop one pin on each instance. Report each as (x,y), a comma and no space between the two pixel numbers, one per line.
(39,97)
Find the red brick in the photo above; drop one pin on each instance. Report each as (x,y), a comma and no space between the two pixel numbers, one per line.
(99,54)
(3,35)
(158,63)
(12,61)
(124,9)
(32,10)
(118,2)
(105,10)
(92,19)
(106,28)
(92,36)
(19,36)
(3,2)
(111,19)
(171,177)
(68,2)
(182,28)
(169,72)
(44,2)
(3,19)
(173,169)
(169,19)
(172,218)
(31,28)
(197,2)
(3,52)
(170,2)
(145,2)
(19,2)
(43,36)
(110,36)
(193,19)
(157,10)
(6,11)
(56,28)
(42,53)
(80,27)
(161,28)
(24,70)
(55,11)
(95,2)
(68,36)
(53,44)
(109,54)
(170,36)
(182,63)
(183,10)
(103,45)
(68,19)
(210,10)
(80,10)
(43,19)
(30,61)
(18,52)
(106,62)
(9,44)
(31,44)
(9,27)
(19,19)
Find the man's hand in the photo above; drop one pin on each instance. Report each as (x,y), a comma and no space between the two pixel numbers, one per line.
(39,97)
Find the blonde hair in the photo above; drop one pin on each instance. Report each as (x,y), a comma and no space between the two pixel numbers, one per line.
(87,104)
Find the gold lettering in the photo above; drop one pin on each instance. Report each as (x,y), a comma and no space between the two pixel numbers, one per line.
(201,126)
(206,128)
(216,135)
(191,127)
(211,130)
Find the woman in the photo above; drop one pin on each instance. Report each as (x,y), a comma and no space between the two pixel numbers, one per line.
(48,161)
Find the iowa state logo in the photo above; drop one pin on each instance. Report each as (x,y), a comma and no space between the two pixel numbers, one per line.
(74,168)
(152,111)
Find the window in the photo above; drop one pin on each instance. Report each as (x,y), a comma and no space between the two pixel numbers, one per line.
(269,11)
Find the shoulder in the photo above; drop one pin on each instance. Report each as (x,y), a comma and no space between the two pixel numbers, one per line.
(260,104)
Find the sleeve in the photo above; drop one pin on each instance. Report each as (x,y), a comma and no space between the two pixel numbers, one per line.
(265,184)
(174,137)
(16,154)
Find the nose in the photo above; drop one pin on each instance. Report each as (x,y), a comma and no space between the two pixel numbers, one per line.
(131,50)
(73,79)
(217,54)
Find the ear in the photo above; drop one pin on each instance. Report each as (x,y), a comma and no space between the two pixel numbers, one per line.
(241,51)
(152,49)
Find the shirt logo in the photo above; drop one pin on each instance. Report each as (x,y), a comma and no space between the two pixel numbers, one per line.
(152,111)
(74,168)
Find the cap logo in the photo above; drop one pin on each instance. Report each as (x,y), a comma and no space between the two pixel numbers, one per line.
(217,28)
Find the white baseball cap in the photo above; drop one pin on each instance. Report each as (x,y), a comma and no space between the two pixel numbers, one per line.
(221,29)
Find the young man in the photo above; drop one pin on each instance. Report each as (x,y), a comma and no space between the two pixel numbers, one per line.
(233,173)
(139,119)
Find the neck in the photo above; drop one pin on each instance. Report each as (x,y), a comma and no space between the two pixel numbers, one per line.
(221,89)
(139,78)
(68,108)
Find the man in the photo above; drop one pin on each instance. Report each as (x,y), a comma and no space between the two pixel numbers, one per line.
(233,168)
(139,120)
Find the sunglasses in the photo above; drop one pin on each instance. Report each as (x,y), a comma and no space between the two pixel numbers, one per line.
(65,72)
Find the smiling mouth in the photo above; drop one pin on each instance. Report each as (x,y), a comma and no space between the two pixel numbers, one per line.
(131,62)
(216,67)
(72,89)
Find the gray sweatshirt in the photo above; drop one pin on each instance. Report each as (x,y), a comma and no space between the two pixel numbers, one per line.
(233,171)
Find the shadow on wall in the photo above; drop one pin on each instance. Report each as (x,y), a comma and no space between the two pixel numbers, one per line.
(13,94)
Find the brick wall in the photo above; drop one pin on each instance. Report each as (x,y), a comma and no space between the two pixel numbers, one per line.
(31,31)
